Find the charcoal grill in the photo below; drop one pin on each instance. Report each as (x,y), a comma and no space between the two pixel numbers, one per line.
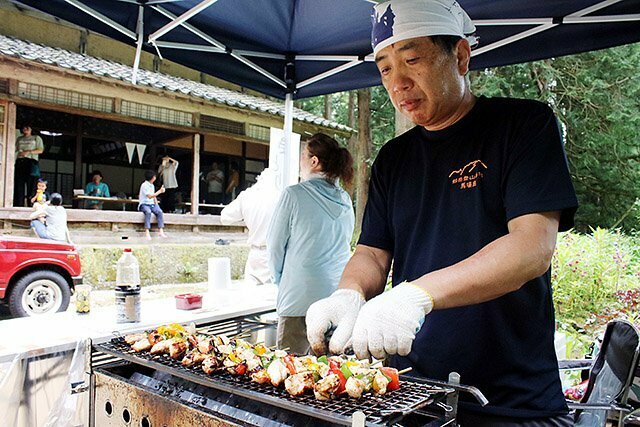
(418,402)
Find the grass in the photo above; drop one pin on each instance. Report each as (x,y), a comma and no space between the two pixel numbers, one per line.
(595,278)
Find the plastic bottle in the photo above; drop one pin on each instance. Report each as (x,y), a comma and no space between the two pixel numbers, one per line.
(128,270)
(127,288)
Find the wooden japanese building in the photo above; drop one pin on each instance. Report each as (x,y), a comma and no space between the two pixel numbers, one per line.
(75,89)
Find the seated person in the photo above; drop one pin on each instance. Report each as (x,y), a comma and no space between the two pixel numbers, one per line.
(96,188)
(56,220)
(39,199)
(148,198)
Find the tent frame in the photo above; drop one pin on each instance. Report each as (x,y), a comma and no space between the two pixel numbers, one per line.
(290,85)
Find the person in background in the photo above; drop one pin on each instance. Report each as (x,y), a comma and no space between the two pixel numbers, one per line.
(309,236)
(255,206)
(56,220)
(148,197)
(215,182)
(232,185)
(40,199)
(27,167)
(467,206)
(96,188)
(167,171)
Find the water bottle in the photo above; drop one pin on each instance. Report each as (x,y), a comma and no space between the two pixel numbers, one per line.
(127,288)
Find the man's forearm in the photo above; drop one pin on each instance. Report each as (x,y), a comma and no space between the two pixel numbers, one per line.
(366,271)
(501,267)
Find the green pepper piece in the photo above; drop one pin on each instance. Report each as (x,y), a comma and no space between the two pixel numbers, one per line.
(346,371)
(323,359)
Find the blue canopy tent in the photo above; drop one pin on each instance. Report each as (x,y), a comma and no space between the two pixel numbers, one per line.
(301,48)
(313,47)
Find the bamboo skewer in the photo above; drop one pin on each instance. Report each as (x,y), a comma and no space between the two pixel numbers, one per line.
(405,370)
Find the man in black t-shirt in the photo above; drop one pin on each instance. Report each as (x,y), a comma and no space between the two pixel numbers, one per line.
(467,205)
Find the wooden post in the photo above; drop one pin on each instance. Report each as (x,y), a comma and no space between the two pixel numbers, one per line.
(195,178)
(78,179)
(10,148)
(3,150)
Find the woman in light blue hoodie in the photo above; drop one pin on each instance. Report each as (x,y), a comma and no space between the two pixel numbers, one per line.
(309,237)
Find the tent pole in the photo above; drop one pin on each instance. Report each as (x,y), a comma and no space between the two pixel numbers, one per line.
(140,31)
(180,19)
(100,17)
(195,177)
(288,130)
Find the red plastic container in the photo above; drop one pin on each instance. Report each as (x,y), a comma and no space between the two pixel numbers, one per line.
(188,301)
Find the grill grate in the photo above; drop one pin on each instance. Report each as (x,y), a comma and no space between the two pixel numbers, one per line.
(413,392)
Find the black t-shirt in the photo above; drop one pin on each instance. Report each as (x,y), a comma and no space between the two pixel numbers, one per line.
(438,197)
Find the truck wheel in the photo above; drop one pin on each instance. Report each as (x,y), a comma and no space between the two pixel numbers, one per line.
(39,292)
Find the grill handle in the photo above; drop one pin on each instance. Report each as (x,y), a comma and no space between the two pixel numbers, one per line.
(395,415)
(474,391)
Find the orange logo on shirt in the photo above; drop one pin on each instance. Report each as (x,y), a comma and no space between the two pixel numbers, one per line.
(469,175)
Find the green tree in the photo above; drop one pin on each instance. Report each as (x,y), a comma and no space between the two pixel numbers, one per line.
(596,96)
(382,113)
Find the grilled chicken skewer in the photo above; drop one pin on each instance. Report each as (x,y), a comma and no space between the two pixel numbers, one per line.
(134,338)
(326,377)
(141,345)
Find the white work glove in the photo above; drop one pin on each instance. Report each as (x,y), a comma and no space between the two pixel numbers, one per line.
(388,323)
(338,311)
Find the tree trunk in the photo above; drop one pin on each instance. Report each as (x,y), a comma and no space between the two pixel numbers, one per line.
(363,152)
(327,107)
(403,124)
(352,144)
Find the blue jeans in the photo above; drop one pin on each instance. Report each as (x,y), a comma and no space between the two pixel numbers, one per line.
(151,209)
(41,229)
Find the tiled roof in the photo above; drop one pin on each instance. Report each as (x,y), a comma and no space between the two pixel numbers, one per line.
(101,67)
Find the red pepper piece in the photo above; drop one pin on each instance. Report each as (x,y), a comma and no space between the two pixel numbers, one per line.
(343,380)
(394,378)
(241,369)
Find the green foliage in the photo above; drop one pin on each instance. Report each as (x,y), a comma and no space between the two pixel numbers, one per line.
(382,113)
(596,96)
(188,272)
(595,278)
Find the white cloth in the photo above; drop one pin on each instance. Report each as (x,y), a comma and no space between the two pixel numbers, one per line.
(256,270)
(215,185)
(398,20)
(388,323)
(56,223)
(145,189)
(168,173)
(255,206)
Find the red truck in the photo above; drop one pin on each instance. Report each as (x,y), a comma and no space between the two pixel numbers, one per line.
(37,276)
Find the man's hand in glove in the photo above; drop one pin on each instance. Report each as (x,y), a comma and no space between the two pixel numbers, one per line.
(338,311)
(388,323)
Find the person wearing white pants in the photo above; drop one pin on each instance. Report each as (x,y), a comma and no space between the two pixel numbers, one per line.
(255,207)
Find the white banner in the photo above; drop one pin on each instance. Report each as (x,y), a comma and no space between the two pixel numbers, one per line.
(140,148)
(131,147)
(278,158)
